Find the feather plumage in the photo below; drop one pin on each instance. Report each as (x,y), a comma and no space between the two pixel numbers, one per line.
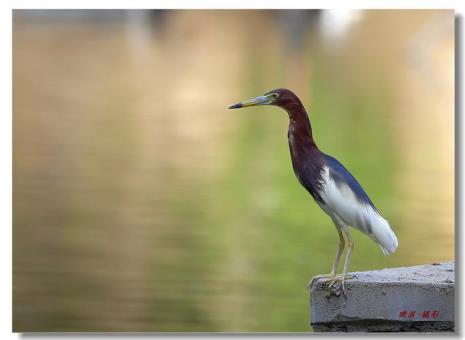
(344,197)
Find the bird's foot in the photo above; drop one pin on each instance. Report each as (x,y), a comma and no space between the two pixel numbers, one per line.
(321,276)
(340,277)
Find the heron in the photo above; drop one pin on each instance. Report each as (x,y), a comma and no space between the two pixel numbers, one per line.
(330,184)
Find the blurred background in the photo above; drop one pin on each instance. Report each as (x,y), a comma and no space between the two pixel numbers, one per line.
(141,203)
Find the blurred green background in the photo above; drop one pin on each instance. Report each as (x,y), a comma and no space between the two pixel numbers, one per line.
(141,203)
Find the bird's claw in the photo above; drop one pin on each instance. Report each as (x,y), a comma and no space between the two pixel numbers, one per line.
(317,277)
(336,278)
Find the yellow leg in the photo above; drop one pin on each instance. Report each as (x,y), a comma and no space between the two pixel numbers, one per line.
(344,276)
(340,250)
(350,248)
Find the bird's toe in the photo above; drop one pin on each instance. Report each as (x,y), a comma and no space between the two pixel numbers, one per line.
(333,289)
(318,277)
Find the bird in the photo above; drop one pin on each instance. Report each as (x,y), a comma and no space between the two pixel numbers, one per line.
(332,186)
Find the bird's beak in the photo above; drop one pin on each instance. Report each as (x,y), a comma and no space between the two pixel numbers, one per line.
(261,100)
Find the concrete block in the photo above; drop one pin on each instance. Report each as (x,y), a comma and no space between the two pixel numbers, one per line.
(406,299)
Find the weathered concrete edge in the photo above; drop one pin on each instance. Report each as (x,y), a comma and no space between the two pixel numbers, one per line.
(382,301)
(375,305)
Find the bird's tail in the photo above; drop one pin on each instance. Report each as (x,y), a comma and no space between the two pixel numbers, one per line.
(384,236)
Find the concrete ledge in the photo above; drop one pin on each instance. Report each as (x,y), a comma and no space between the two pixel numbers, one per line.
(408,299)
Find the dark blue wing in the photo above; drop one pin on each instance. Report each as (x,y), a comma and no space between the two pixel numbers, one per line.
(342,176)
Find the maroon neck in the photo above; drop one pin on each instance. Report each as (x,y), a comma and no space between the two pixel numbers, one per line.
(299,123)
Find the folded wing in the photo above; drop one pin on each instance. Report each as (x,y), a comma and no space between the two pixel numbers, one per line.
(344,197)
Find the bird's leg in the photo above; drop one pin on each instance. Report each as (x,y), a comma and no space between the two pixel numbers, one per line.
(340,249)
(344,276)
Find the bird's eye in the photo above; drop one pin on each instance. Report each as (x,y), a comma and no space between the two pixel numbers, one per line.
(275,95)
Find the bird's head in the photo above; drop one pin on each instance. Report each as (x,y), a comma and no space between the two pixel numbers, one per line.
(278,97)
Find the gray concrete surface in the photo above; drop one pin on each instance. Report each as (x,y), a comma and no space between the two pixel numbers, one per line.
(406,299)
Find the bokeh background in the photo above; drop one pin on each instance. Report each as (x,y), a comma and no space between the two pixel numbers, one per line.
(141,203)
